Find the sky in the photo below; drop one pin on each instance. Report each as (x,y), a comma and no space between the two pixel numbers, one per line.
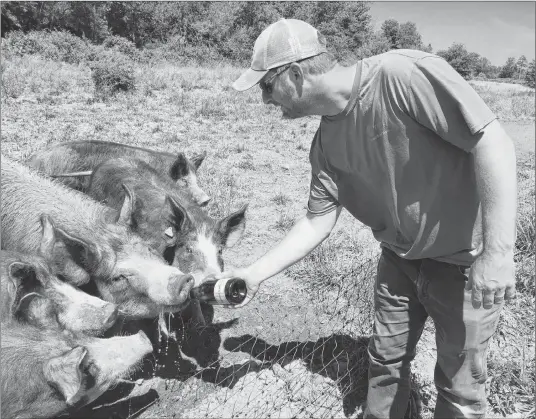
(494,29)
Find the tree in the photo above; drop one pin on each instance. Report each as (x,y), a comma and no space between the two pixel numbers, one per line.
(409,37)
(84,19)
(483,67)
(460,59)
(508,70)
(521,67)
(390,29)
(530,76)
(403,36)
(346,25)
(375,44)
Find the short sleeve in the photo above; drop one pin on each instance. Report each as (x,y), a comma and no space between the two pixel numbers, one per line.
(323,191)
(441,100)
(321,201)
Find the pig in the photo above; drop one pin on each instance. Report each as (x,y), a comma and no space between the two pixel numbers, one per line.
(83,156)
(33,295)
(46,372)
(95,243)
(166,218)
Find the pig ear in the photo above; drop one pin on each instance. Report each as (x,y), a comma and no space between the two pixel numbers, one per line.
(198,159)
(20,271)
(24,280)
(48,240)
(127,210)
(179,168)
(64,372)
(67,255)
(72,257)
(178,215)
(232,227)
(24,275)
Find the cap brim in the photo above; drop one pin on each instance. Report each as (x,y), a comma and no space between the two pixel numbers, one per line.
(249,79)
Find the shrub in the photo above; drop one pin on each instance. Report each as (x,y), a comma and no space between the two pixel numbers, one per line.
(123,45)
(72,49)
(50,45)
(112,71)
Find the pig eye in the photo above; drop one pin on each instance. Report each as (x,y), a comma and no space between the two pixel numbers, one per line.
(91,369)
(119,278)
(188,249)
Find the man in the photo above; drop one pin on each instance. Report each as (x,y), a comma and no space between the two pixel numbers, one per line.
(409,149)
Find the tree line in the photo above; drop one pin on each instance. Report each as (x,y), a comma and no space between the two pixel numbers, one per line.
(229,29)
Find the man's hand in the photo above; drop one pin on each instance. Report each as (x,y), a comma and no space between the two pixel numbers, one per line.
(242,273)
(492,279)
(303,237)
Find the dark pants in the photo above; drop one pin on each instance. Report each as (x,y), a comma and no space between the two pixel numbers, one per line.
(407,292)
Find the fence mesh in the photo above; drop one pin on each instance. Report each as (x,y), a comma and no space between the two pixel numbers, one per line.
(299,349)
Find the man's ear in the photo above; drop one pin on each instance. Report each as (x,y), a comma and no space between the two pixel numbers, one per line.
(296,75)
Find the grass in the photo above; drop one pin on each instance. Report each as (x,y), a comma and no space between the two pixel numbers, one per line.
(246,162)
(281,199)
(284,222)
(193,109)
(510,104)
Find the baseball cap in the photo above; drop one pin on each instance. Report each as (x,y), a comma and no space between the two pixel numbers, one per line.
(283,42)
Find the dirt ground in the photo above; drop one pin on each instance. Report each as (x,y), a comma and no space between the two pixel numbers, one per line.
(290,352)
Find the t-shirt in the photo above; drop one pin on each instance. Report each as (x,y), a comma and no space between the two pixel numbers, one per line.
(398,157)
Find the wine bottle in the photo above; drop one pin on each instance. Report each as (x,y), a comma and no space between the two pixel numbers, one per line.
(230,291)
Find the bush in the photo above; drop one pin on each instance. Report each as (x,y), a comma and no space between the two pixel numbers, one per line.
(50,45)
(112,71)
(122,45)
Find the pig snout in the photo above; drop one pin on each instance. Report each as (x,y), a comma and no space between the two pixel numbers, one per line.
(200,196)
(145,345)
(180,286)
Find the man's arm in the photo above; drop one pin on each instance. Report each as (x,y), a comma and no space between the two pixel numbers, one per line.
(492,276)
(304,236)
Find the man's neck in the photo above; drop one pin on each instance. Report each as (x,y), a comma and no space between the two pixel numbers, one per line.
(335,89)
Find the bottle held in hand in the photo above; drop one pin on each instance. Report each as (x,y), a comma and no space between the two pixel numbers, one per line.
(230,291)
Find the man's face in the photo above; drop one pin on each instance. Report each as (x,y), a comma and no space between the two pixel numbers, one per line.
(278,90)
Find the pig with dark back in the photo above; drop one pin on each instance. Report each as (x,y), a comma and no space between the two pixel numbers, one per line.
(94,243)
(166,217)
(46,372)
(84,156)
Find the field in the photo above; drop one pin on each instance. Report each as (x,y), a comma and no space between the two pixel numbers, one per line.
(299,348)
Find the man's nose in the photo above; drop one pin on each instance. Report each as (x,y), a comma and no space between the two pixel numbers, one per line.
(267,98)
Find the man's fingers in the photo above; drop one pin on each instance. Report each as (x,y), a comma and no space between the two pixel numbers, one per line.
(469,283)
(489,298)
(510,293)
(499,297)
(477,297)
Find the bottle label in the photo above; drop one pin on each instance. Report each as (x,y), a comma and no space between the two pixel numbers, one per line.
(219,291)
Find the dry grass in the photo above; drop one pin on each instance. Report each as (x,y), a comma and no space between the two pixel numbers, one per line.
(510,102)
(254,156)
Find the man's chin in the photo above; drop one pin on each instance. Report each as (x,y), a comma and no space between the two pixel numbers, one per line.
(287,114)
